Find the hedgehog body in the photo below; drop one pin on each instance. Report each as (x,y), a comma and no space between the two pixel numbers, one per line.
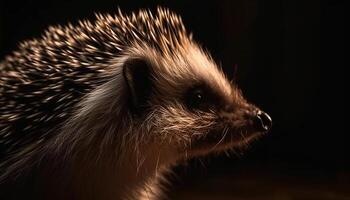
(98,110)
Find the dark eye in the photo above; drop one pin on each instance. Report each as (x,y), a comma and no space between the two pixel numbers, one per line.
(196,99)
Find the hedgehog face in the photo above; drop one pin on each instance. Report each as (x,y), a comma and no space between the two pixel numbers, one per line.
(233,123)
(190,104)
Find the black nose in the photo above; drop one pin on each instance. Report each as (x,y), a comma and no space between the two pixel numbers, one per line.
(264,121)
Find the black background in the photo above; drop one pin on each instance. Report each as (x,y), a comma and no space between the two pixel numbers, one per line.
(290,57)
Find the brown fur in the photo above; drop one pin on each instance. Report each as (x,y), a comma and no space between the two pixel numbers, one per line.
(90,145)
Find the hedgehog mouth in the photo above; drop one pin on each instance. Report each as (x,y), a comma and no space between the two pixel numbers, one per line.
(216,141)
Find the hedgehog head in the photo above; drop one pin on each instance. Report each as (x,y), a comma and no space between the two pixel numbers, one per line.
(180,98)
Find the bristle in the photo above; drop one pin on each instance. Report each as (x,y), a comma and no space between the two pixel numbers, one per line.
(78,55)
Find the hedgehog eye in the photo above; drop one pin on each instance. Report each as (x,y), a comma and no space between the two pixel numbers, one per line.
(196,99)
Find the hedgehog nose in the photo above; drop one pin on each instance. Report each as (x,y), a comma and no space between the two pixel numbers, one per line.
(264,121)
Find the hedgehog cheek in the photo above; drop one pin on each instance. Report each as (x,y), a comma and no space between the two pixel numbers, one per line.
(136,73)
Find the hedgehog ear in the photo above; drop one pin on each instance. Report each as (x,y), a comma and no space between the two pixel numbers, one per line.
(136,73)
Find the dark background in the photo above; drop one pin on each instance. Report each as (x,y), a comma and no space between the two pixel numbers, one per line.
(290,57)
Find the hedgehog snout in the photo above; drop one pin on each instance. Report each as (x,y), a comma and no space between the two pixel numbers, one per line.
(251,118)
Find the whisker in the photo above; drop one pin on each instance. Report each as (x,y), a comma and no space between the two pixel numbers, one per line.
(222,138)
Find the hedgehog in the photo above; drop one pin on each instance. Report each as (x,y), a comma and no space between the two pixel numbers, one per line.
(102,109)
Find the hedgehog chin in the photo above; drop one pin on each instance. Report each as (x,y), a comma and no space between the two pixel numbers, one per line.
(215,142)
